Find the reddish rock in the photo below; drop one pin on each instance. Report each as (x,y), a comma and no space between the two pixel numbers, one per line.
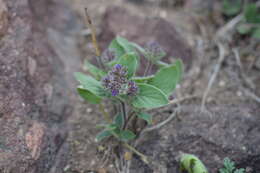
(34,99)
(34,139)
(118,21)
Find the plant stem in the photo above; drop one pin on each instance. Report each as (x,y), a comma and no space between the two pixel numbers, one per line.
(94,39)
(147,68)
(128,119)
(104,112)
(123,112)
(143,157)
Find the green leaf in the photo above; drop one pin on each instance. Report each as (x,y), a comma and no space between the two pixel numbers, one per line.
(95,71)
(251,13)
(115,46)
(142,79)
(244,28)
(88,96)
(139,48)
(102,135)
(241,170)
(118,120)
(127,135)
(121,46)
(146,117)
(90,84)
(111,127)
(231,8)
(129,60)
(192,164)
(179,66)
(149,97)
(125,44)
(166,79)
(256,33)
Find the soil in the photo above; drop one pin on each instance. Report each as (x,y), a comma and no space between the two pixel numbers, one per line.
(227,127)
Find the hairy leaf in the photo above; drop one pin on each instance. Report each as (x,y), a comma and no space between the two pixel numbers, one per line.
(166,79)
(127,135)
(90,84)
(95,71)
(129,60)
(89,96)
(192,164)
(102,135)
(149,97)
(146,117)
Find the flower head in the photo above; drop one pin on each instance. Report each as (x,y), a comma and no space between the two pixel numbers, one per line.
(154,50)
(132,88)
(115,80)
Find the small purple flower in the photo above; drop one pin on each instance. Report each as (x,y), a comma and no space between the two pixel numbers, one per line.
(154,50)
(114,92)
(115,80)
(132,88)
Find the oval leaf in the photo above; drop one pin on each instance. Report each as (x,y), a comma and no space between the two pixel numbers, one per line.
(149,97)
(166,79)
(129,60)
(115,46)
(89,96)
(127,46)
(146,117)
(126,135)
(118,120)
(179,66)
(95,71)
(256,33)
(90,84)
(102,135)
(244,28)
(192,164)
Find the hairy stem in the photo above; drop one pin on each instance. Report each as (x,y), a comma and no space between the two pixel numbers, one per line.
(143,157)
(123,109)
(147,68)
(94,39)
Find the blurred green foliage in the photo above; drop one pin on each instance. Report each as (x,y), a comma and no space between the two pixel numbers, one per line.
(250,24)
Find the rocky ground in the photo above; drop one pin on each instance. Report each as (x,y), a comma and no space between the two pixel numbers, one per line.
(47,128)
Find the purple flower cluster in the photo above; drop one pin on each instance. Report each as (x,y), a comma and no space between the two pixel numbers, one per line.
(132,88)
(117,83)
(154,49)
(108,55)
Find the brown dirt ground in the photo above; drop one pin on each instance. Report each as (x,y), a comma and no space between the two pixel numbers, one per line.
(226,97)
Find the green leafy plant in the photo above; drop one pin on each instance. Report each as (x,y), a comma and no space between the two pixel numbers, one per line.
(192,164)
(116,80)
(229,167)
(250,24)
(231,7)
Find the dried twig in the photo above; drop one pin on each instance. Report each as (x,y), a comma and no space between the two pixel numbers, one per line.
(93,32)
(161,124)
(242,74)
(222,32)
(251,94)
(214,75)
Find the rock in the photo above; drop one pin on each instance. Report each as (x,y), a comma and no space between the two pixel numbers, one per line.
(3,18)
(34,88)
(118,21)
(227,131)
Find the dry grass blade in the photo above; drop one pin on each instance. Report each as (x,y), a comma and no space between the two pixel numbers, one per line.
(214,75)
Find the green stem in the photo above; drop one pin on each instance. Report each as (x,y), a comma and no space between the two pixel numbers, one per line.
(143,157)
(123,112)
